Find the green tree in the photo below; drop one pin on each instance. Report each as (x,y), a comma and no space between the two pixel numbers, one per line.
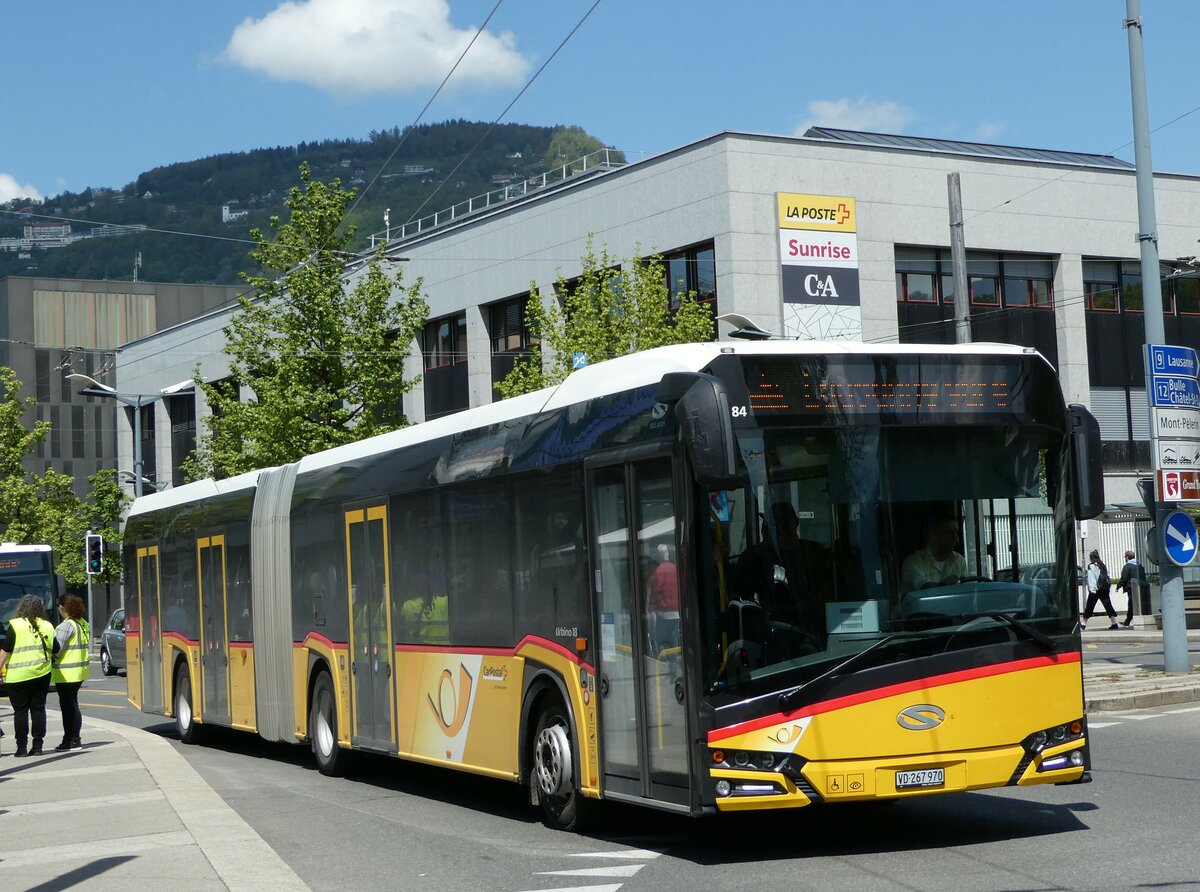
(611,310)
(324,361)
(569,144)
(44,508)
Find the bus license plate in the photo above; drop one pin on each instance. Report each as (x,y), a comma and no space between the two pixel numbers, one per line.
(924,777)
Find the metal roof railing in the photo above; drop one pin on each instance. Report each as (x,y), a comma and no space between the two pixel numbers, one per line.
(600,161)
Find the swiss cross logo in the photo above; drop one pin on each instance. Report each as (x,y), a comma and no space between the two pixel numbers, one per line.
(843,213)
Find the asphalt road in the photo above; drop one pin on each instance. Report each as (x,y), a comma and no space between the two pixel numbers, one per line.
(393,825)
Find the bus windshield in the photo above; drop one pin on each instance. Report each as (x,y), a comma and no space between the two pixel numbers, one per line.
(846,535)
(24,573)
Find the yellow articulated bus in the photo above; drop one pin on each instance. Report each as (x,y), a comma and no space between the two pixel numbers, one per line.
(703,578)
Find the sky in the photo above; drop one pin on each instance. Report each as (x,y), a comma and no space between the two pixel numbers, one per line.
(97,93)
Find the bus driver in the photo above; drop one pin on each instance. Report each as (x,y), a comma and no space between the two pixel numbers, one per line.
(937,563)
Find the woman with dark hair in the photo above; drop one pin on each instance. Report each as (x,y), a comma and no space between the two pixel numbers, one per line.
(71,641)
(1098,585)
(25,656)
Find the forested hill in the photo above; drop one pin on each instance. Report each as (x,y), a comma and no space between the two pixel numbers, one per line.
(188,197)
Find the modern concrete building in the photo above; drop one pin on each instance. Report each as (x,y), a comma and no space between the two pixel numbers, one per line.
(836,234)
(50,328)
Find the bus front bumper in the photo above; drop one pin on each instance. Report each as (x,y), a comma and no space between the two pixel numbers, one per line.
(898,777)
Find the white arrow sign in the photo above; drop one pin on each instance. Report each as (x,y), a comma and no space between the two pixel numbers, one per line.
(1182,538)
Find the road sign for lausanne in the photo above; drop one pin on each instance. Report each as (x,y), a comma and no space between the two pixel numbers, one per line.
(1173,374)
(1179,538)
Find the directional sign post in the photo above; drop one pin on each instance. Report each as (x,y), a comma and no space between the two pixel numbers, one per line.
(1179,538)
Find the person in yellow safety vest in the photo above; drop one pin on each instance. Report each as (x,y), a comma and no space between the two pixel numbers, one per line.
(72,640)
(426,617)
(25,660)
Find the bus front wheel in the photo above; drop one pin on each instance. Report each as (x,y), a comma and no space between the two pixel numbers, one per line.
(552,772)
(323,729)
(185,717)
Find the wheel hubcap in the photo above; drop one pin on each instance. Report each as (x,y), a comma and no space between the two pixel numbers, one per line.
(183,709)
(324,733)
(552,761)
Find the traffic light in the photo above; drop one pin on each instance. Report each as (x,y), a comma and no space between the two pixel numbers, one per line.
(95,554)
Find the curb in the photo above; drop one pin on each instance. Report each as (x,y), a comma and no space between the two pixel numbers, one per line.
(241,858)
(1141,699)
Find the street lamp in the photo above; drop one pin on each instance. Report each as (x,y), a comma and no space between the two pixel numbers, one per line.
(134,400)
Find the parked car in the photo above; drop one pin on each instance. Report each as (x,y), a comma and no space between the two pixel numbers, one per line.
(112,643)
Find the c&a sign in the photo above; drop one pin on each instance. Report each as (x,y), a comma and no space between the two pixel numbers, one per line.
(818,253)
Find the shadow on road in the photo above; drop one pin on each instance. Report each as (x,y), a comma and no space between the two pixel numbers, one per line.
(498,798)
(958,819)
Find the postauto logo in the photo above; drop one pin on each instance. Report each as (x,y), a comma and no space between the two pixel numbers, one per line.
(829,213)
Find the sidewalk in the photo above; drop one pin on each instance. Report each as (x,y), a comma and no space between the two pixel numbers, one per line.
(1110,686)
(126,811)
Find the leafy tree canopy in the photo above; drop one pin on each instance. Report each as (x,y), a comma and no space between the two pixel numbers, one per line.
(611,310)
(44,509)
(324,360)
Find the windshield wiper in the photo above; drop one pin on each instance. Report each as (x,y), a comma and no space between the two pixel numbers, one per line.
(788,698)
(1028,631)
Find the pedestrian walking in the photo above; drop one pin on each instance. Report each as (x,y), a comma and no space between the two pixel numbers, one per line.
(1133,581)
(25,659)
(1098,586)
(69,671)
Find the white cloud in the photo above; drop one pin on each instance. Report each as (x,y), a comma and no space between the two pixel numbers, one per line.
(857,114)
(10,189)
(358,47)
(989,130)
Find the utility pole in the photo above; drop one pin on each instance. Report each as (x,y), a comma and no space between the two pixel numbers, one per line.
(1174,621)
(958,261)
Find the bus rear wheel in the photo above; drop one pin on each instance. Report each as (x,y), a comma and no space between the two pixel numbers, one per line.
(185,717)
(552,772)
(323,729)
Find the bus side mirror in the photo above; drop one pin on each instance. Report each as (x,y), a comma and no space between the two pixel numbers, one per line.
(1087,470)
(706,422)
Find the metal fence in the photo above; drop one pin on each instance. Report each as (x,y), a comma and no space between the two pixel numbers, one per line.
(590,164)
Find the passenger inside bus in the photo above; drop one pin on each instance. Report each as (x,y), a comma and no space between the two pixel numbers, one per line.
(780,587)
(425,617)
(937,562)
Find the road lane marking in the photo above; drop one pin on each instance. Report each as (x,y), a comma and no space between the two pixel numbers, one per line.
(94,851)
(1188,709)
(604,870)
(613,887)
(1094,725)
(70,805)
(1142,718)
(26,775)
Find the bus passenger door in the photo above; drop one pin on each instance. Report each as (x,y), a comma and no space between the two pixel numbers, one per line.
(214,632)
(150,632)
(643,712)
(371,650)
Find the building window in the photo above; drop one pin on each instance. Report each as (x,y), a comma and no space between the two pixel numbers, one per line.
(1113,286)
(1016,281)
(691,269)
(506,325)
(446,342)
(445,352)
(1187,296)
(1028,283)
(182,412)
(78,433)
(510,337)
